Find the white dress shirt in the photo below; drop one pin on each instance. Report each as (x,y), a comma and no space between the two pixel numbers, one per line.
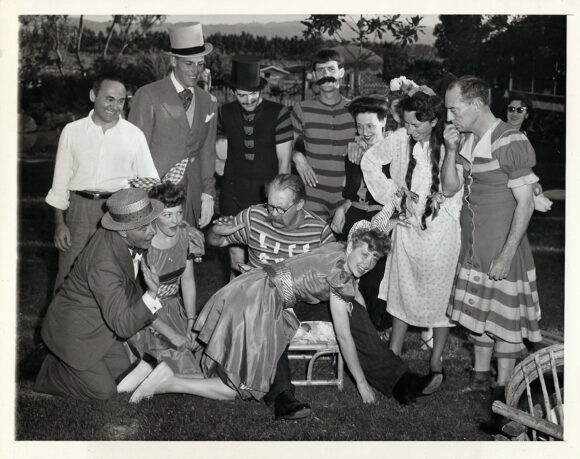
(89,158)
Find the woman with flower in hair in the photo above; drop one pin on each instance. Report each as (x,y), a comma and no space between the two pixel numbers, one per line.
(384,164)
(420,271)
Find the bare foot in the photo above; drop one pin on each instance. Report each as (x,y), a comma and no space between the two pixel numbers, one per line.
(147,388)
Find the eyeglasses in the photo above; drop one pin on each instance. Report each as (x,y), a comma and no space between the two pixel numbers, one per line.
(517,109)
(270,208)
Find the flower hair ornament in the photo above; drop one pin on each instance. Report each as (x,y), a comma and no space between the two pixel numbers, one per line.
(173,175)
(424,89)
(401,84)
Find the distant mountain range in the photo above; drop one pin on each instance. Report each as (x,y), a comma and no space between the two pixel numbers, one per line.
(286,29)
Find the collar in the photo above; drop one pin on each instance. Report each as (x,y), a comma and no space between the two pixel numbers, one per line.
(483,147)
(178,86)
(92,125)
(341,99)
(137,253)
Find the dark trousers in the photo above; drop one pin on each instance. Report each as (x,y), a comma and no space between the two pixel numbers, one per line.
(97,382)
(283,379)
(369,288)
(381,367)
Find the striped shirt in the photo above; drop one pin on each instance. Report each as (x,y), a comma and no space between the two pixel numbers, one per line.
(267,244)
(326,130)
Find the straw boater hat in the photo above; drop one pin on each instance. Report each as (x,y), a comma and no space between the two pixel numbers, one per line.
(130,209)
(187,40)
(246,74)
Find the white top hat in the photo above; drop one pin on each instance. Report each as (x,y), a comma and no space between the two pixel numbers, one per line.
(187,40)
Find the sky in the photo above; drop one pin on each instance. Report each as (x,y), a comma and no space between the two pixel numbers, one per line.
(428,20)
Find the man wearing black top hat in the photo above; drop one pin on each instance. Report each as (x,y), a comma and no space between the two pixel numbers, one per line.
(258,134)
(179,120)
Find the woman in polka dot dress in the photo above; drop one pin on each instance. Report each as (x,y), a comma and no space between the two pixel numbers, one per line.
(419,273)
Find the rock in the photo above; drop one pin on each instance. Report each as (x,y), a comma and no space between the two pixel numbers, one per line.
(26,123)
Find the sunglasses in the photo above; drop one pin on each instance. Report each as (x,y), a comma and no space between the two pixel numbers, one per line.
(517,109)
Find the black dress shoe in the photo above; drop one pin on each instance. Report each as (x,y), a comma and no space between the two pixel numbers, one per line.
(410,386)
(286,406)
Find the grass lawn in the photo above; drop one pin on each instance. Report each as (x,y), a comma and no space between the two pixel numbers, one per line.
(447,415)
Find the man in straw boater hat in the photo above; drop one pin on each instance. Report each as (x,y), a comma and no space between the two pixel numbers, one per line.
(102,303)
(179,120)
(258,136)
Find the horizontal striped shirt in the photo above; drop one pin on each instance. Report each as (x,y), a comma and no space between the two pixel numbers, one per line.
(326,130)
(267,244)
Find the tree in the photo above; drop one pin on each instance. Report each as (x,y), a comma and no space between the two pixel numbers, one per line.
(78,44)
(498,47)
(364,28)
(131,28)
(47,37)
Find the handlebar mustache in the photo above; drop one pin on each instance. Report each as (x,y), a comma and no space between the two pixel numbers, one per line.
(327,79)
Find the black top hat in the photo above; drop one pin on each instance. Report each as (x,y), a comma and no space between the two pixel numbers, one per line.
(246,74)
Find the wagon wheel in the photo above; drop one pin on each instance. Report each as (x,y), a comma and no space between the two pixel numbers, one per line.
(540,376)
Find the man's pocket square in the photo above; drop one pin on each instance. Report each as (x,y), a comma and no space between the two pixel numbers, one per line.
(209,117)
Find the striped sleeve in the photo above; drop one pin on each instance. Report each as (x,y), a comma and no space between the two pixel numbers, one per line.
(327,235)
(242,236)
(297,120)
(284,130)
(516,157)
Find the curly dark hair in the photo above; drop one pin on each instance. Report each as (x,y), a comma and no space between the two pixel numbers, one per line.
(110,76)
(426,108)
(368,104)
(169,194)
(326,55)
(376,240)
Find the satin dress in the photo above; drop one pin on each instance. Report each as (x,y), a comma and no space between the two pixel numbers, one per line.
(247,324)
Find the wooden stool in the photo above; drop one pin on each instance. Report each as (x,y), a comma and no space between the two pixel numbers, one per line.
(312,340)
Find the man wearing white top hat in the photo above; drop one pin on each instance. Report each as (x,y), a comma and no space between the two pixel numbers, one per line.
(101,303)
(179,120)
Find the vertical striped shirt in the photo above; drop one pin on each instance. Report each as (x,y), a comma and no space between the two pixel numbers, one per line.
(267,244)
(326,130)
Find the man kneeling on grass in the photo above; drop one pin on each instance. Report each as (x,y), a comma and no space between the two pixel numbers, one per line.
(102,303)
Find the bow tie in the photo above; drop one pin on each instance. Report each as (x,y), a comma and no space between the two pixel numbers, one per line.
(186,97)
(137,252)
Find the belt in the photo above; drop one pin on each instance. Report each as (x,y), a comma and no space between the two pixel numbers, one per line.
(363,205)
(93,194)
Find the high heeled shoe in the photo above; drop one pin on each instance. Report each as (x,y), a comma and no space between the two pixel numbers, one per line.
(436,379)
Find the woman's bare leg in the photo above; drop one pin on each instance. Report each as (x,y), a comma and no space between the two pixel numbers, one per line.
(212,388)
(440,335)
(398,335)
(162,380)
